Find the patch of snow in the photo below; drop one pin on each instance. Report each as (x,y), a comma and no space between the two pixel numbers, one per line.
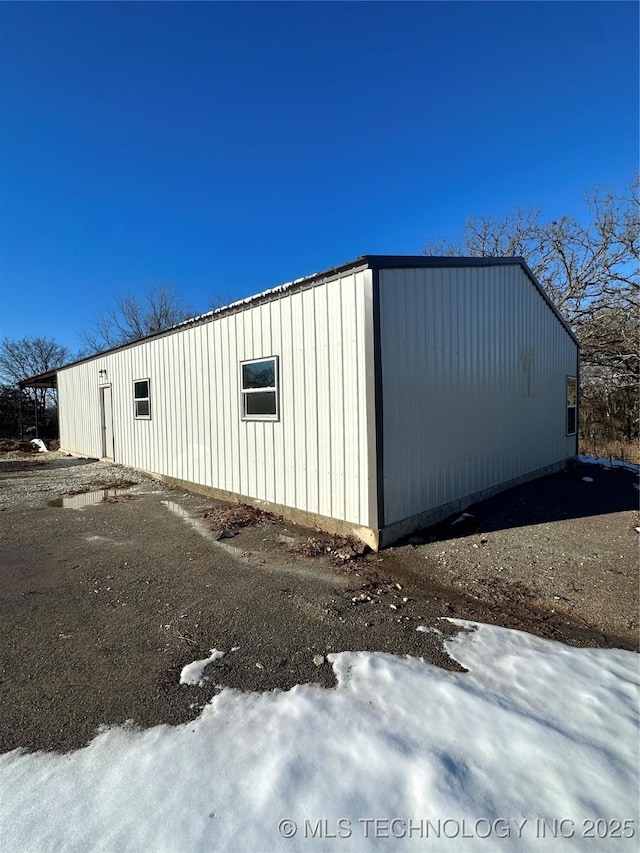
(248,300)
(424,629)
(587,479)
(399,750)
(192,672)
(39,443)
(461,518)
(608,463)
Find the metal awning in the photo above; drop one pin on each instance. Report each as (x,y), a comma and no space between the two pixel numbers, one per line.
(42,380)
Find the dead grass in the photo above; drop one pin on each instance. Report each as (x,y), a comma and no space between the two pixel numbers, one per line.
(18,446)
(97,485)
(237,516)
(311,547)
(626,451)
(339,549)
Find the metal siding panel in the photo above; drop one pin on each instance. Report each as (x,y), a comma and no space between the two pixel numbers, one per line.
(281,343)
(320,455)
(279,450)
(253,349)
(370,414)
(269,461)
(153,446)
(256,429)
(204,404)
(310,398)
(297,417)
(247,325)
(337,396)
(168,410)
(197,396)
(159,402)
(323,390)
(171,411)
(350,373)
(286,493)
(476,401)
(208,402)
(176,347)
(191,430)
(237,435)
(219,407)
(191,378)
(230,402)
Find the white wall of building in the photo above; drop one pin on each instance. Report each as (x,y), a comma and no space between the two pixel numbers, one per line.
(474,366)
(318,457)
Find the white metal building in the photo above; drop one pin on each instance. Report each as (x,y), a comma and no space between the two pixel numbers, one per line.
(375,398)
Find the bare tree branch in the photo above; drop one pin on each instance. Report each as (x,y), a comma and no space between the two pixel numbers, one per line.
(131,319)
(590,271)
(20,359)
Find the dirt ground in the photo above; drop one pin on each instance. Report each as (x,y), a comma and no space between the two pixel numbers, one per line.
(106,596)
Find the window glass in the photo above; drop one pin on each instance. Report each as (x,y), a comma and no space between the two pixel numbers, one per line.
(259,374)
(259,387)
(141,389)
(262,403)
(141,398)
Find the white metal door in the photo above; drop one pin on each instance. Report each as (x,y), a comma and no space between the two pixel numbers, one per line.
(106,411)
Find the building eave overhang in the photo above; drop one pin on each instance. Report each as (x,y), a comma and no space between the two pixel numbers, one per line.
(374,262)
(41,380)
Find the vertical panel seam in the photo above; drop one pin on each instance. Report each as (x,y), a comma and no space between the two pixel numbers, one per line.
(378,398)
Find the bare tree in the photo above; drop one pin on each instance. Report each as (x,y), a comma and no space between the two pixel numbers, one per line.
(580,264)
(20,359)
(589,268)
(132,319)
(30,357)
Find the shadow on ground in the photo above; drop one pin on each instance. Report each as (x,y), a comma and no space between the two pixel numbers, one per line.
(24,466)
(557,497)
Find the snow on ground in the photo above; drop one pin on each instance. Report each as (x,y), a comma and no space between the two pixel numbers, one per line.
(608,463)
(192,672)
(462,517)
(536,740)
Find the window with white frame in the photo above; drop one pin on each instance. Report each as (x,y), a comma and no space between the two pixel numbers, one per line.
(142,398)
(259,389)
(572,404)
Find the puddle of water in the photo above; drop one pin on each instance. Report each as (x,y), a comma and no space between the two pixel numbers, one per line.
(86,499)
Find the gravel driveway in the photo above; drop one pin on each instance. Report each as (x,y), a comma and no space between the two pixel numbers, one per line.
(104,599)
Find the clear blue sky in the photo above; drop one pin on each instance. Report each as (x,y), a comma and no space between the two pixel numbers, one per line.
(224,148)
